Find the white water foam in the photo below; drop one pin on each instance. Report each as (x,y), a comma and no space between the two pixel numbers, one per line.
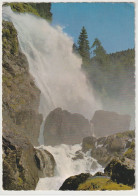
(55,68)
(66,166)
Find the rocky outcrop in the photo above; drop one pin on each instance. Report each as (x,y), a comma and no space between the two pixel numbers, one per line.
(19,165)
(88,143)
(105,148)
(121,171)
(73,182)
(62,127)
(20,95)
(130,152)
(105,123)
(45,163)
(87,182)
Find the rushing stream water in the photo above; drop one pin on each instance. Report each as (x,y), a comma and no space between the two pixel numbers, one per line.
(66,166)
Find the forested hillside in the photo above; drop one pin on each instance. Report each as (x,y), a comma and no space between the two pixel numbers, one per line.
(39,9)
(111,75)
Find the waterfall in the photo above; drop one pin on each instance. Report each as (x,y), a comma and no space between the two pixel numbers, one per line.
(56,70)
(57,73)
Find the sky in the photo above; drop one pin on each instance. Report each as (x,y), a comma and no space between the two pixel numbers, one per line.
(112,23)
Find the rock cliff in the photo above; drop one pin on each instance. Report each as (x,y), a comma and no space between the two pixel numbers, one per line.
(20,95)
(62,127)
(21,119)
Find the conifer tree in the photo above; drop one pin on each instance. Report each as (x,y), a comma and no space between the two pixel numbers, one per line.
(83,46)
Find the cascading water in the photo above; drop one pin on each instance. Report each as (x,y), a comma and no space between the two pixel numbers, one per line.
(66,166)
(57,73)
(56,70)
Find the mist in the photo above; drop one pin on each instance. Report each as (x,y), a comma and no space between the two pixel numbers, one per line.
(56,70)
(119,85)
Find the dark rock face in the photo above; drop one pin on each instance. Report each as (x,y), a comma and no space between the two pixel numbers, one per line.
(73,182)
(121,171)
(19,165)
(62,127)
(105,148)
(106,123)
(20,95)
(45,163)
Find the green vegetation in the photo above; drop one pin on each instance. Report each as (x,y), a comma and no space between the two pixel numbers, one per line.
(102,183)
(9,38)
(83,46)
(111,75)
(23,7)
(126,134)
(38,9)
(44,10)
(130,153)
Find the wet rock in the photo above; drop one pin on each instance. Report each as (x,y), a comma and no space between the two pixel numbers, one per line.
(78,155)
(19,165)
(73,182)
(114,144)
(104,149)
(88,143)
(94,165)
(63,127)
(121,171)
(101,155)
(45,162)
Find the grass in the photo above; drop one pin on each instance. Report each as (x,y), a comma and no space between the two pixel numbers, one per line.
(100,183)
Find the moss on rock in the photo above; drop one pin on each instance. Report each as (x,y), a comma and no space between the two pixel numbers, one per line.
(102,183)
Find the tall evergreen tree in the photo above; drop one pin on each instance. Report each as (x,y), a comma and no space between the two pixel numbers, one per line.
(83,46)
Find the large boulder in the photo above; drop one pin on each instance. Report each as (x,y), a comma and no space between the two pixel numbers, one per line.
(101,155)
(20,95)
(45,163)
(105,123)
(121,171)
(63,127)
(73,182)
(20,171)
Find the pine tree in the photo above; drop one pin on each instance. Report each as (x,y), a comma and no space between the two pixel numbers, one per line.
(83,46)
